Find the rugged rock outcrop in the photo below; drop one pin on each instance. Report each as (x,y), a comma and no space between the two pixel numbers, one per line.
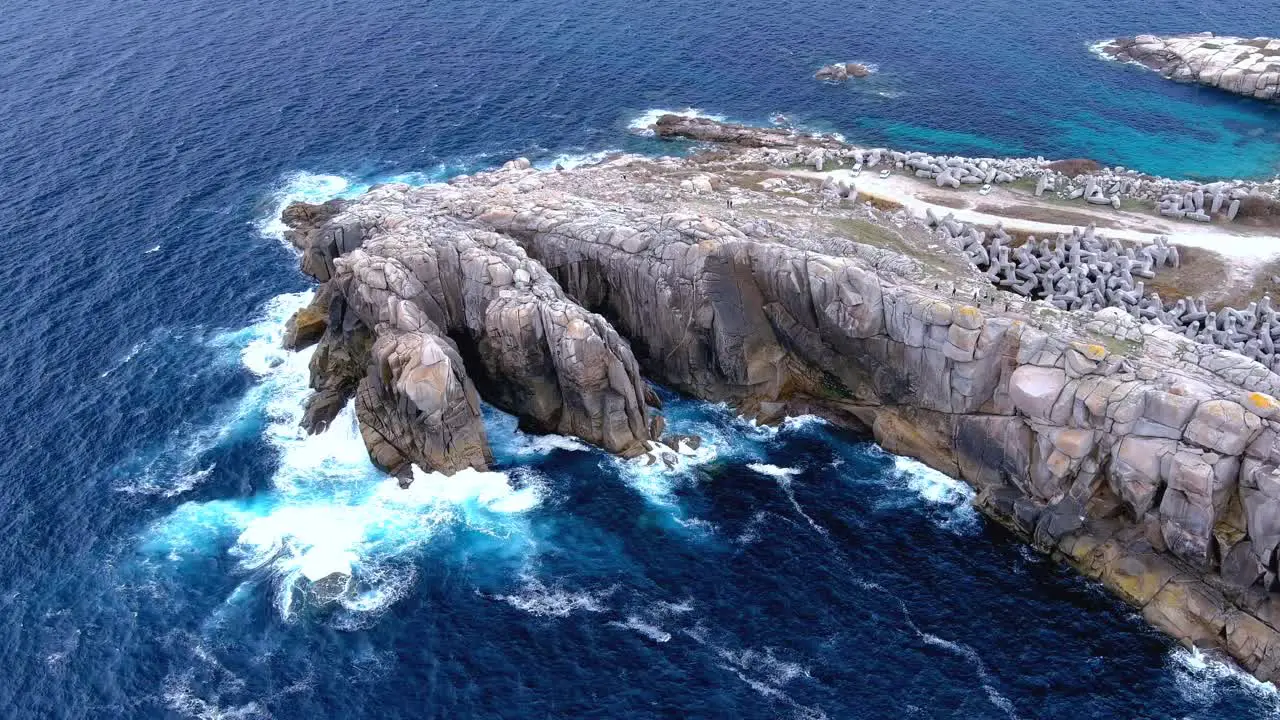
(842,71)
(1148,460)
(418,304)
(1245,66)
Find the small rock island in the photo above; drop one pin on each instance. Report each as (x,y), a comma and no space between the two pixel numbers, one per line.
(1245,66)
(842,71)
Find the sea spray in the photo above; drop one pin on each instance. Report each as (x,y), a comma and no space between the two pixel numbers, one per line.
(329,513)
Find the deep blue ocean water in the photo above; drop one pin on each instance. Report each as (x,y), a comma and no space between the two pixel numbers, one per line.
(159,509)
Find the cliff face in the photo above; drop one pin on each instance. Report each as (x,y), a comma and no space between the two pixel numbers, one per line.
(1249,67)
(1148,460)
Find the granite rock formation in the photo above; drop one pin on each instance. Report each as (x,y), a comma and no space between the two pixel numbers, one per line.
(1245,66)
(417,305)
(1145,458)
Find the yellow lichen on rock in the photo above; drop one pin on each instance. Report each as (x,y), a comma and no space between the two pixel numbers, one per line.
(1094,352)
(1260,403)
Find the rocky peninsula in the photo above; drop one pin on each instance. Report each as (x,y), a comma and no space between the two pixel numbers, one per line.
(1245,66)
(785,274)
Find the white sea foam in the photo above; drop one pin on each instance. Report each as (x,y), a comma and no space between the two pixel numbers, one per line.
(180,698)
(204,690)
(932,485)
(774,470)
(778,672)
(330,511)
(784,476)
(763,672)
(798,423)
(1097,50)
(658,472)
(994,696)
(537,598)
(647,629)
(666,607)
(167,486)
(148,251)
(643,123)
(939,490)
(569,161)
(361,532)
(512,446)
(706,527)
(303,187)
(524,444)
(1201,678)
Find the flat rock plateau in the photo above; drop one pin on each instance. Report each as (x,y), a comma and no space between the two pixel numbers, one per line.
(1140,450)
(1245,66)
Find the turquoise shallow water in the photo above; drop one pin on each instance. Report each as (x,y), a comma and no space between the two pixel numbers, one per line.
(160,510)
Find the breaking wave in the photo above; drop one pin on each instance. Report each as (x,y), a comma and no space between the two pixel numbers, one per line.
(643,123)
(332,529)
(949,500)
(1202,678)
(306,187)
(569,161)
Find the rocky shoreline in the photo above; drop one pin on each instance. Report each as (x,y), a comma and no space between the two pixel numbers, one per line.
(1244,66)
(1069,180)
(1145,458)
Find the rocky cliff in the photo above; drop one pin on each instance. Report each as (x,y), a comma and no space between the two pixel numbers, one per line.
(418,307)
(1244,66)
(1146,459)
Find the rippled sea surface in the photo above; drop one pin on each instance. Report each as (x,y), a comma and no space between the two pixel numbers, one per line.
(161,514)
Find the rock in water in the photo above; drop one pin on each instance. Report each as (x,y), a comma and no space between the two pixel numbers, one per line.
(842,71)
(305,328)
(1249,67)
(857,70)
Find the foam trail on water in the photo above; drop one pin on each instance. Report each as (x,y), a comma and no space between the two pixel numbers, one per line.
(994,696)
(980,668)
(783,476)
(751,531)
(647,629)
(133,352)
(763,671)
(537,598)
(643,123)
